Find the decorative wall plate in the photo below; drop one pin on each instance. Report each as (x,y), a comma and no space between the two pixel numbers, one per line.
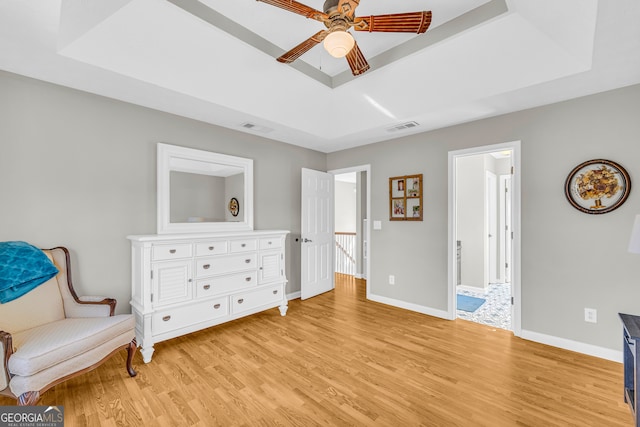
(234,206)
(597,186)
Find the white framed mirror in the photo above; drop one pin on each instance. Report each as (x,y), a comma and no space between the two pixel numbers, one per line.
(201,191)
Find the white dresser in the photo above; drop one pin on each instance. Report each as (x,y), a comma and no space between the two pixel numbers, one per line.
(182,283)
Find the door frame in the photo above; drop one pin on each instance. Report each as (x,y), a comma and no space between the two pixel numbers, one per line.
(367,169)
(514,146)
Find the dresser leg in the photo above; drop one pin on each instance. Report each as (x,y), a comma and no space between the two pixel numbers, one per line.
(283,309)
(146,352)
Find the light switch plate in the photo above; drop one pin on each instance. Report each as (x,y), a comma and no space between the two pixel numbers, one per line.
(377,225)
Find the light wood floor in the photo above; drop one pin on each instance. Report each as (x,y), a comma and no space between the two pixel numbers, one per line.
(338,359)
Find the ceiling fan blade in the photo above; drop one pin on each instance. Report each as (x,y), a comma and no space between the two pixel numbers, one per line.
(356,61)
(296,52)
(348,7)
(412,22)
(299,8)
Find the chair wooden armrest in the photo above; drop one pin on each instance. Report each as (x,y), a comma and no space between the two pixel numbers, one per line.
(76,306)
(98,301)
(6,350)
(77,335)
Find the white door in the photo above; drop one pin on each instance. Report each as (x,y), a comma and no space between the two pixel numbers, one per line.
(491,227)
(317,233)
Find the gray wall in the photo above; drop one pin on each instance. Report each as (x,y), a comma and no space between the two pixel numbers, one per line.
(79,170)
(570,260)
(345,207)
(196,196)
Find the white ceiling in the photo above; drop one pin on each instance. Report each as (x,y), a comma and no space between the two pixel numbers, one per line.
(480,58)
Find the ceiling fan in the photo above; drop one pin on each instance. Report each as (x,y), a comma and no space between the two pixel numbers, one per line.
(338,17)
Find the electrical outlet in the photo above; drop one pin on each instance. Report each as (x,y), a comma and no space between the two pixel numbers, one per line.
(591,315)
(392,279)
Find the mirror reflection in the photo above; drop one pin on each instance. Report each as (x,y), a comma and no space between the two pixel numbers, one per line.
(206,198)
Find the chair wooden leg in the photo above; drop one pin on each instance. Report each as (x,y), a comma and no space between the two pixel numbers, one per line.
(131,350)
(28,398)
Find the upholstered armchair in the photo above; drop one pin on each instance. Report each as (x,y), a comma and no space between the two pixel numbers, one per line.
(50,334)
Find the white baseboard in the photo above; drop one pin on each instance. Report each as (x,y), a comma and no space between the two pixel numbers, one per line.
(579,347)
(293,295)
(409,306)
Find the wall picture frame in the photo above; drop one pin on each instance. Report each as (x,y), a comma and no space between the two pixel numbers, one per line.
(405,198)
(597,186)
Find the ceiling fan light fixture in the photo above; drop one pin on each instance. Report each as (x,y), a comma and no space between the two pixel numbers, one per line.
(339,43)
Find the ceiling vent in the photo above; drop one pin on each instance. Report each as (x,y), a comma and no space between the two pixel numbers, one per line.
(403,126)
(255,128)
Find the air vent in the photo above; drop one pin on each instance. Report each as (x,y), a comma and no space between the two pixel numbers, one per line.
(255,128)
(403,126)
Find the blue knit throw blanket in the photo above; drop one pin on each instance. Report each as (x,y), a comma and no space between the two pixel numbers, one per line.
(23,267)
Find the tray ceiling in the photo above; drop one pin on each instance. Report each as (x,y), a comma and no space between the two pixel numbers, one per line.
(213,60)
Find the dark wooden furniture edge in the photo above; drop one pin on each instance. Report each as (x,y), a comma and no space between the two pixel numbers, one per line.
(107,301)
(31,397)
(7,343)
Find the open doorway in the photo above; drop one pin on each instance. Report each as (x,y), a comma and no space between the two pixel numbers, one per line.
(352,245)
(482,281)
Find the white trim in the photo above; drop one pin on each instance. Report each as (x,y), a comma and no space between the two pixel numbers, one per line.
(367,169)
(579,347)
(514,146)
(550,340)
(409,306)
(183,159)
(293,295)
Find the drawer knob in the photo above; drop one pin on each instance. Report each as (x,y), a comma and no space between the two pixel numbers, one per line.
(206,287)
(211,248)
(243,245)
(206,266)
(241,300)
(248,279)
(247,261)
(172,251)
(269,242)
(166,318)
(217,306)
(275,292)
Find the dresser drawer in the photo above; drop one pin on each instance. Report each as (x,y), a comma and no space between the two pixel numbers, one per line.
(249,300)
(225,264)
(270,243)
(176,318)
(230,283)
(243,245)
(211,248)
(164,252)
